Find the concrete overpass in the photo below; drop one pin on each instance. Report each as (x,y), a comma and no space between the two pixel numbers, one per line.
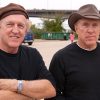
(64,14)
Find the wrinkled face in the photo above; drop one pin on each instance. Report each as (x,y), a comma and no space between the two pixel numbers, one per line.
(12,31)
(88,31)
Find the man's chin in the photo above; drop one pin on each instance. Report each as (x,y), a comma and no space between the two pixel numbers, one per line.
(91,43)
(14,45)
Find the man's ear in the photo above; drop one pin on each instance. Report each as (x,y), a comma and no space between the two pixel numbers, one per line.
(0,24)
(75,27)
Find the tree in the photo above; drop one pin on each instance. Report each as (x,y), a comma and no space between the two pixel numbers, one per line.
(49,26)
(53,25)
(37,32)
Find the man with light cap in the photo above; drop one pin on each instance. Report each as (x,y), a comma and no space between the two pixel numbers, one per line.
(23,75)
(76,67)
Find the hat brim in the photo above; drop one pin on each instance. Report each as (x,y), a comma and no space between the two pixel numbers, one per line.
(76,16)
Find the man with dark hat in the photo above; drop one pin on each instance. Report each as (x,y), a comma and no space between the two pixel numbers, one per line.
(76,67)
(23,75)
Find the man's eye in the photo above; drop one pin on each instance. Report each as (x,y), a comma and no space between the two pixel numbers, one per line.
(85,24)
(95,25)
(9,25)
(21,26)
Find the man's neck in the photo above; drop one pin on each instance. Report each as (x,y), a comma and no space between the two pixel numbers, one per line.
(87,48)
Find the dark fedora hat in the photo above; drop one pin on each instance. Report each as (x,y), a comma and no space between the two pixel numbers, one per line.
(11,9)
(87,11)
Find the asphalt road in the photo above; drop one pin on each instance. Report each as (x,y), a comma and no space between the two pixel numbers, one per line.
(47,48)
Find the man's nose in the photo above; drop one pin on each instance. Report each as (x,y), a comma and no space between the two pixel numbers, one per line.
(90,29)
(15,29)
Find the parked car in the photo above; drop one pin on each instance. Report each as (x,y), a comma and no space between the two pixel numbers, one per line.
(29,38)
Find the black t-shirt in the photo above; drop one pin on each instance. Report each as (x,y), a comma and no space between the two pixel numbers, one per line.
(26,64)
(77,73)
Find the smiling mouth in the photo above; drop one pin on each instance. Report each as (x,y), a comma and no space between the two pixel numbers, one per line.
(14,37)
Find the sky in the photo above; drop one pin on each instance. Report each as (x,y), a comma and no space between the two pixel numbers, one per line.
(50,4)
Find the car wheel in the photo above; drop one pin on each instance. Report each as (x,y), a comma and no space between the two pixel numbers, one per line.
(30,43)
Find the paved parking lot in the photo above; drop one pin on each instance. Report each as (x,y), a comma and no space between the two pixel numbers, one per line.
(47,48)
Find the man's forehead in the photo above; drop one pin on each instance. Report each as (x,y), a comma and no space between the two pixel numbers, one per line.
(88,20)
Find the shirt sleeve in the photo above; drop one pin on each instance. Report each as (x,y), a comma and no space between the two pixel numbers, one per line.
(44,73)
(57,70)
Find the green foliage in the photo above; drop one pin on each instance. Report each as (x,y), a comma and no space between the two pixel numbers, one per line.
(49,26)
(37,32)
(53,25)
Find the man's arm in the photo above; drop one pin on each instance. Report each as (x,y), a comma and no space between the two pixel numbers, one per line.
(9,95)
(37,89)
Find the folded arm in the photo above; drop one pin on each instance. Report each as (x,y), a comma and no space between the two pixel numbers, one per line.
(5,95)
(37,89)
